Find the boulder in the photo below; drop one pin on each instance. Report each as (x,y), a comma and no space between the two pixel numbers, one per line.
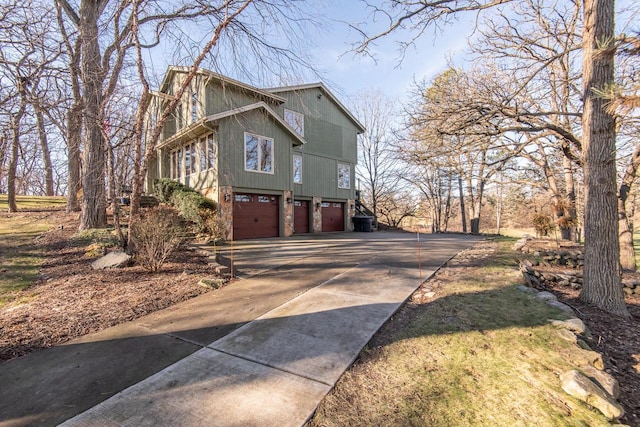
(574,325)
(115,259)
(581,358)
(564,307)
(213,283)
(579,386)
(526,289)
(603,379)
(546,296)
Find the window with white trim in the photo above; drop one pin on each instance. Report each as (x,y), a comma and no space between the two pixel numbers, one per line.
(297,169)
(344,176)
(258,153)
(179,163)
(195,157)
(202,154)
(211,151)
(295,120)
(178,116)
(188,160)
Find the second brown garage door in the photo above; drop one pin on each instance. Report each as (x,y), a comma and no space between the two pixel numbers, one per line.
(332,216)
(301,216)
(255,216)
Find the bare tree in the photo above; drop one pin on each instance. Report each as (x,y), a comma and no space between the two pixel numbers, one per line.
(102,47)
(26,56)
(602,284)
(378,169)
(602,253)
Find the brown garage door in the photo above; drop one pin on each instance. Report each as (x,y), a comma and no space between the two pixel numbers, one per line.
(332,216)
(255,216)
(301,216)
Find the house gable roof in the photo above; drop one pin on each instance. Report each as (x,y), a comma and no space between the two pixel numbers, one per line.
(261,93)
(323,88)
(185,133)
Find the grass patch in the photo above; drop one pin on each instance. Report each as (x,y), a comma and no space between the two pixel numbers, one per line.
(482,353)
(19,256)
(36,202)
(95,241)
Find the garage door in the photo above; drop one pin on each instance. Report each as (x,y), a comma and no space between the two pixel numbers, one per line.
(301,216)
(332,216)
(255,216)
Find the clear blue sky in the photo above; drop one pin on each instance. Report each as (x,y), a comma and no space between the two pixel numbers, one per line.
(348,73)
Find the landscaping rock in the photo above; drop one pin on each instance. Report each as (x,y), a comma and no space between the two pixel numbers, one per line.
(214,283)
(603,379)
(526,289)
(581,358)
(561,306)
(574,325)
(567,335)
(546,296)
(115,259)
(579,386)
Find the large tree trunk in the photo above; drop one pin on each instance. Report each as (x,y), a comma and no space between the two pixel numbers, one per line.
(463,214)
(94,213)
(475,221)
(74,135)
(627,251)
(602,279)
(46,154)
(13,160)
(570,213)
(625,228)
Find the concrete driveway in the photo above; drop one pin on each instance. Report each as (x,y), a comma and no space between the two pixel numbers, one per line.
(261,351)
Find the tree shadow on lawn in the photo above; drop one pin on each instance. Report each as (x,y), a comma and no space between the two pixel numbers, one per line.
(52,385)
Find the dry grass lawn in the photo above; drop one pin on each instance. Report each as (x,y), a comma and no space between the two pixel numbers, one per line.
(479,353)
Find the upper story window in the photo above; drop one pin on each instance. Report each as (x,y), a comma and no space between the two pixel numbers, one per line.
(258,153)
(344,176)
(178,115)
(194,106)
(295,120)
(297,169)
(210,151)
(195,157)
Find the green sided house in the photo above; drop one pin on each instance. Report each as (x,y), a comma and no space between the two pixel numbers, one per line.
(278,161)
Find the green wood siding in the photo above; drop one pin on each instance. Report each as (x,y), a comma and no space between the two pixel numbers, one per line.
(331,139)
(221,98)
(231,148)
(327,130)
(320,178)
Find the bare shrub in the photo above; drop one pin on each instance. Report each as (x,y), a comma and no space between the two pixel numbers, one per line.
(543,224)
(156,235)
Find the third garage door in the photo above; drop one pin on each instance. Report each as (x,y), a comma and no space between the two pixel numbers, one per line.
(255,216)
(332,216)
(301,216)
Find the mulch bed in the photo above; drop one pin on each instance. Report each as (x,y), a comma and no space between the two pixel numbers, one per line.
(70,299)
(618,340)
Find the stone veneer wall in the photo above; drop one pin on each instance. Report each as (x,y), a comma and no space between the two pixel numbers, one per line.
(226,208)
(317,215)
(287,213)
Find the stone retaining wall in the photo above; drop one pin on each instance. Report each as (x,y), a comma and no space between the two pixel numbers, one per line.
(572,259)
